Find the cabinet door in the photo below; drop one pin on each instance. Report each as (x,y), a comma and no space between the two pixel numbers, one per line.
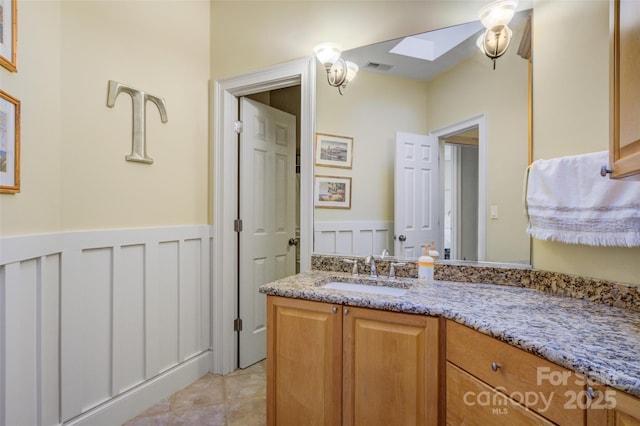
(304,362)
(610,407)
(391,368)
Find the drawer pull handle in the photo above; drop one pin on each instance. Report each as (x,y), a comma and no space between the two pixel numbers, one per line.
(495,366)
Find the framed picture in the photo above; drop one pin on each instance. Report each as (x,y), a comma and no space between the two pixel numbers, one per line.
(332,192)
(8,33)
(334,151)
(9,143)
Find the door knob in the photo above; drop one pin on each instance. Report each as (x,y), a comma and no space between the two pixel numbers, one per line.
(402,238)
(293,241)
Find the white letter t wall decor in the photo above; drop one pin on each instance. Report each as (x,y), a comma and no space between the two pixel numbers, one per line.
(139,98)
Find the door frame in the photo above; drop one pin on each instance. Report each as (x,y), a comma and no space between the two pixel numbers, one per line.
(479,121)
(224,245)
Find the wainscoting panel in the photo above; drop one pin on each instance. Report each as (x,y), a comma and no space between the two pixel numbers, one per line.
(358,238)
(94,323)
(29,333)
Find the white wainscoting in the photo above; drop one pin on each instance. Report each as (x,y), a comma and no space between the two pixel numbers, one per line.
(97,325)
(358,238)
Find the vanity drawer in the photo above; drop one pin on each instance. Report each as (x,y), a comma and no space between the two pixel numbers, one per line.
(471,402)
(547,388)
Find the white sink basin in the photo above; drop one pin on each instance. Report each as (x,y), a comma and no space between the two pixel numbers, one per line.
(363,288)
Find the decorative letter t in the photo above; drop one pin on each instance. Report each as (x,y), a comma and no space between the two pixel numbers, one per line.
(139,98)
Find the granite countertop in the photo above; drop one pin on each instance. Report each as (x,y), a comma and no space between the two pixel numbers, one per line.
(597,340)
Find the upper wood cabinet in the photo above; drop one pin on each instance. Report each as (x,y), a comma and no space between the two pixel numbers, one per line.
(624,141)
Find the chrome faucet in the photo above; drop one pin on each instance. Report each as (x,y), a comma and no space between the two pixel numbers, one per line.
(372,262)
(392,268)
(385,252)
(354,270)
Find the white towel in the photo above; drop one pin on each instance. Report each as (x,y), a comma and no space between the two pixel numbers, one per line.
(568,201)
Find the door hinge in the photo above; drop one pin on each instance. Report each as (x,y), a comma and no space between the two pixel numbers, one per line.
(237,126)
(237,225)
(237,324)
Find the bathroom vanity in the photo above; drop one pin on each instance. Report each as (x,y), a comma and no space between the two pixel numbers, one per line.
(446,353)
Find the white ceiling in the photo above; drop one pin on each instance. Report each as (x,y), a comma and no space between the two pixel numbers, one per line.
(449,46)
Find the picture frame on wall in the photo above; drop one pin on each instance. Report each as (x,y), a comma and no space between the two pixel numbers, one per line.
(333,151)
(332,192)
(8,34)
(9,143)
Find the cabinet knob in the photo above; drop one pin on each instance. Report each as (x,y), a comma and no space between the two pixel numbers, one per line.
(334,310)
(346,312)
(495,366)
(605,170)
(591,392)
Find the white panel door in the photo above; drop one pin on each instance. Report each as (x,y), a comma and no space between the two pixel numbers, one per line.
(417,194)
(267,209)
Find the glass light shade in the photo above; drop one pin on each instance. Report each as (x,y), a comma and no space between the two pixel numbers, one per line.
(499,12)
(327,53)
(494,42)
(352,70)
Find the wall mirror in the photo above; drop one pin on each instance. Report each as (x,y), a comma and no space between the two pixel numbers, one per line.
(480,119)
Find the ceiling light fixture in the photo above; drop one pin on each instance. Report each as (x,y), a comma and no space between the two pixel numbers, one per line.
(339,71)
(495,17)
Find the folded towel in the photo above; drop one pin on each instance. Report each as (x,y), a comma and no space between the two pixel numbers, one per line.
(568,201)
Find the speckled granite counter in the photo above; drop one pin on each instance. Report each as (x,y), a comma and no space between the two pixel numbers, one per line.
(600,341)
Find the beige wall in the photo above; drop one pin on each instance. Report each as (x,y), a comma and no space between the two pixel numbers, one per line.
(73,172)
(571,116)
(248,35)
(473,88)
(372,110)
(74,175)
(38,86)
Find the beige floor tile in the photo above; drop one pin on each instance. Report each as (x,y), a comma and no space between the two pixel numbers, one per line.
(210,415)
(237,399)
(245,386)
(205,391)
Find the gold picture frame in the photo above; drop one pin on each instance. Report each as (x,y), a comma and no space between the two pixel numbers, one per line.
(9,143)
(9,34)
(333,151)
(332,192)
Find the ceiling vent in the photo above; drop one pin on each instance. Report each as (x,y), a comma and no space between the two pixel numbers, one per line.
(378,67)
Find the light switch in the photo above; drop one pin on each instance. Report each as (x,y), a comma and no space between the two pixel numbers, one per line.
(494,212)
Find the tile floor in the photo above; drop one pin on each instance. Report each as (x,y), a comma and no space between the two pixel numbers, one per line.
(237,399)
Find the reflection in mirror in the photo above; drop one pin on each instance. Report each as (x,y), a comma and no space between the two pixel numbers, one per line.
(395,93)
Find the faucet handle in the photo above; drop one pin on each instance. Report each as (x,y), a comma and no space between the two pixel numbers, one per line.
(392,268)
(354,270)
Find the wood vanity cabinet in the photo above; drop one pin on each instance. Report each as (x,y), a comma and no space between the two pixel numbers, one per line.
(491,382)
(329,364)
(610,407)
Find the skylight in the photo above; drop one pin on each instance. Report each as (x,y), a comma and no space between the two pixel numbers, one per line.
(433,44)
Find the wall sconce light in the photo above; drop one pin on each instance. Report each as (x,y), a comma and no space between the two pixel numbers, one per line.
(339,71)
(495,16)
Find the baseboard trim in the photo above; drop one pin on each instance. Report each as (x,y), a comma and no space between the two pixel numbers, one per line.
(126,406)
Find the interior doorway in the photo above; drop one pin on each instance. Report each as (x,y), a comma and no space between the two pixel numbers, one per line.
(268,207)
(467,141)
(460,187)
(224,241)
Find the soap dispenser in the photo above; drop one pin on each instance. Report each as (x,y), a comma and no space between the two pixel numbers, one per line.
(433,252)
(425,266)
